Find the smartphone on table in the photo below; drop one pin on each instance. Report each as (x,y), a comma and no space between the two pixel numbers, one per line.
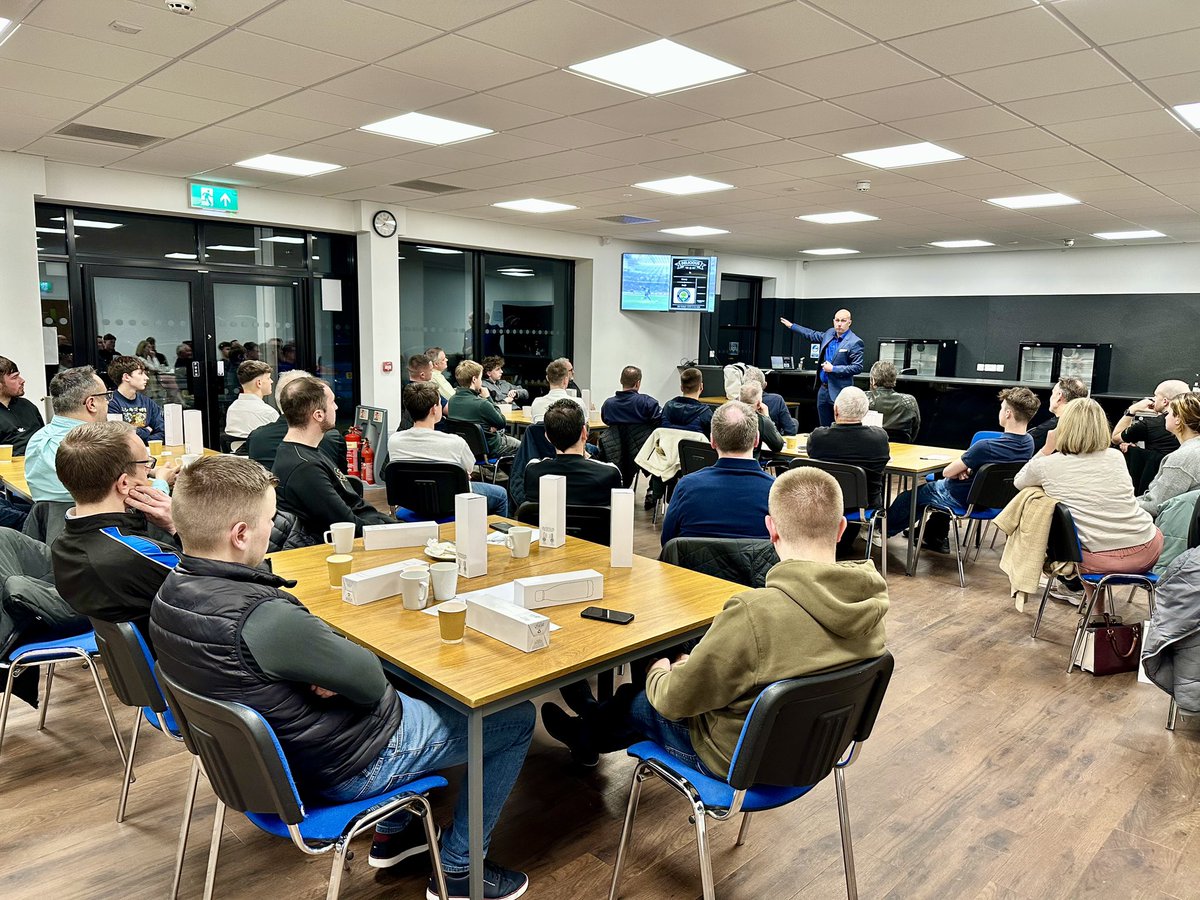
(600,614)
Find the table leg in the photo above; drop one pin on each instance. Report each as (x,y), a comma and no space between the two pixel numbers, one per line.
(912,527)
(475,800)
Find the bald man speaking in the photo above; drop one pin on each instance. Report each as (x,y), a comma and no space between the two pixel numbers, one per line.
(841,355)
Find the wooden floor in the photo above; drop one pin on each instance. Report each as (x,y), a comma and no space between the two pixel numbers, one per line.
(991,774)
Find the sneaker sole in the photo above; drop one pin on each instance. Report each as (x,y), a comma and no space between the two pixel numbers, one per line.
(377,863)
(432,895)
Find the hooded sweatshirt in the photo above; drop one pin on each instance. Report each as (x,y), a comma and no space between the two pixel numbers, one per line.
(811,617)
(688,413)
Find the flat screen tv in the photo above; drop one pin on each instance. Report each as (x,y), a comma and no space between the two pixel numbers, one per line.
(659,282)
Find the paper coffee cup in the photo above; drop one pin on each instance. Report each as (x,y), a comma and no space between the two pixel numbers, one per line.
(156,447)
(445,580)
(452,621)
(339,565)
(6,452)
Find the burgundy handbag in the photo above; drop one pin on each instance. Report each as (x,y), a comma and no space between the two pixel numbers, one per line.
(1110,647)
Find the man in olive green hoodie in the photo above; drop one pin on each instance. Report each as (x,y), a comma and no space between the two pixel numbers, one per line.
(814,614)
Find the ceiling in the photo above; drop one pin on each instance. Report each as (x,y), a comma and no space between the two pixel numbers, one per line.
(1062,95)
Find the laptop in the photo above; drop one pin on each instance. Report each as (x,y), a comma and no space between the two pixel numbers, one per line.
(782,362)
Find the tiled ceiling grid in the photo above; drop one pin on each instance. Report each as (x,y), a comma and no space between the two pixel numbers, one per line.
(1062,95)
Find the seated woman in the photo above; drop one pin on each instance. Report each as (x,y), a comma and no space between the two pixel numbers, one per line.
(1089,476)
(1180,470)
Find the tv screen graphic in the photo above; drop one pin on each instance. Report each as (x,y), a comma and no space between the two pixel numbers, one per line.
(654,282)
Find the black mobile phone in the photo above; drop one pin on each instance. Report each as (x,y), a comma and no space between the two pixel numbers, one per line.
(600,614)
(501,527)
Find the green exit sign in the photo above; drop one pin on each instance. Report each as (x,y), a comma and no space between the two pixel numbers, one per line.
(46,286)
(212,196)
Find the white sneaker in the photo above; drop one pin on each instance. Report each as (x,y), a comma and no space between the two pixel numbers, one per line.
(1060,591)
(877,539)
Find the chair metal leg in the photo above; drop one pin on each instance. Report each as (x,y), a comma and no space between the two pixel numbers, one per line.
(1172,712)
(188,803)
(920,538)
(125,782)
(108,713)
(958,552)
(744,830)
(839,783)
(1085,615)
(46,698)
(1037,622)
(210,878)
(8,689)
(339,867)
(708,889)
(635,792)
(435,857)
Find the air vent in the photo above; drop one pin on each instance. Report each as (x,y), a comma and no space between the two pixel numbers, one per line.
(108,135)
(427,187)
(918,247)
(627,220)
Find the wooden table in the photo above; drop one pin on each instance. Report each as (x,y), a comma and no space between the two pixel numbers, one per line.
(12,474)
(521,419)
(482,675)
(714,401)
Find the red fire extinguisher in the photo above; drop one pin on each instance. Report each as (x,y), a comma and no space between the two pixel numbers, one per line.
(368,463)
(353,436)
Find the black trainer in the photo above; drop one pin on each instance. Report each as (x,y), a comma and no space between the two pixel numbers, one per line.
(569,730)
(389,849)
(498,884)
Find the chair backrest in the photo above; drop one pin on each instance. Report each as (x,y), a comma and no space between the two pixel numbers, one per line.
(588,523)
(425,486)
(851,479)
(984,436)
(472,433)
(993,485)
(798,729)
(239,751)
(620,445)
(287,533)
(1194,532)
(534,445)
(743,560)
(1063,543)
(129,664)
(694,456)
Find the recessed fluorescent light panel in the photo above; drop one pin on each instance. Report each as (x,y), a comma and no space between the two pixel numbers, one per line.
(444,250)
(657,68)
(282,239)
(1189,112)
(287,165)
(232,248)
(838,218)
(828,251)
(43,230)
(531,205)
(686,184)
(694,231)
(89,223)
(955,245)
(904,155)
(1127,235)
(517,271)
(179,256)
(1033,201)
(426,129)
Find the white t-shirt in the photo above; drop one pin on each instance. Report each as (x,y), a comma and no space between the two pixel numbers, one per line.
(1097,489)
(541,404)
(426,443)
(247,412)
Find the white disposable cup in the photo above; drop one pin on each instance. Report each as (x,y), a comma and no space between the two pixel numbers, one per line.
(414,584)
(341,535)
(518,539)
(445,580)
(189,458)
(505,407)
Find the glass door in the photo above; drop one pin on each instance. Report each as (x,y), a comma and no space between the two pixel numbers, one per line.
(893,352)
(924,358)
(1037,364)
(1078,362)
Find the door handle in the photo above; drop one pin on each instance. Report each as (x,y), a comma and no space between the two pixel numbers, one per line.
(195,370)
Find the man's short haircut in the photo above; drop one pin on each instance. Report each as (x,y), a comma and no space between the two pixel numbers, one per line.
(465,372)
(564,424)
(750,393)
(883,374)
(691,380)
(92,457)
(433,353)
(631,376)
(251,369)
(419,399)
(1171,389)
(419,361)
(215,493)
(303,398)
(1071,388)
(1186,409)
(566,361)
(110,337)
(492,362)
(1023,402)
(8,367)
(1082,428)
(735,428)
(70,389)
(806,505)
(124,365)
(286,379)
(852,403)
(754,373)
(557,373)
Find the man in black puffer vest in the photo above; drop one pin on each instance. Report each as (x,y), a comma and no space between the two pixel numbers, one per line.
(223,627)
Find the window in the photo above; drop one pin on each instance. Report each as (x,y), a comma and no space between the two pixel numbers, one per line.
(253,245)
(106,233)
(436,308)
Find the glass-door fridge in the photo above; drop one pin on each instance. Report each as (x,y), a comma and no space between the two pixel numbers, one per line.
(917,356)
(1043,362)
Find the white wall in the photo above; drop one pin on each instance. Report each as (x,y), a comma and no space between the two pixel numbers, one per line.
(21,179)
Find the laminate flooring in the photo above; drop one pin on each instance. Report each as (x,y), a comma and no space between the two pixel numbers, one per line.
(991,774)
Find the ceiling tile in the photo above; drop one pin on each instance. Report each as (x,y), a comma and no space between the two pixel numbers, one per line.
(387,87)
(1089,104)
(665,19)
(1004,142)
(637,150)
(264,57)
(1148,145)
(1176,89)
(142,123)
(1154,57)
(75,54)
(279,125)
(558,32)
(17,104)
(194,80)
(201,110)
(340,27)
(830,165)
(852,72)
(563,92)
(222,12)
(444,14)
(467,155)
(887,19)
(240,144)
(774,37)
(1109,21)
(1060,74)
(739,96)
(85,152)
(1032,159)
(1154,121)
(52,82)
(923,98)
(331,153)
(457,60)
(960,123)
(715,136)
(851,140)
(1027,34)
(489,112)
(771,153)
(799,121)
(237,175)
(1054,176)
(646,116)
(570,132)
(1166,162)
(17,131)
(163,32)
(176,158)
(332,109)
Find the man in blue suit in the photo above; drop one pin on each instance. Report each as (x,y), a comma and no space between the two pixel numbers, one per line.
(841,358)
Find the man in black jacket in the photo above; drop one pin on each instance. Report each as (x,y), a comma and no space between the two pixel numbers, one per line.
(309,484)
(19,419)
(223,627)
(686,411)
(589,481)
(264,441)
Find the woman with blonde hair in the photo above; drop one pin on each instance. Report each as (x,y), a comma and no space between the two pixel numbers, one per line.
(1180,470)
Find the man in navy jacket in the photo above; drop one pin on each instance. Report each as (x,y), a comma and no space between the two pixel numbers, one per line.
(841,358)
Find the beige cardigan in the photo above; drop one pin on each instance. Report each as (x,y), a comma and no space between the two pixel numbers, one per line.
(1026,521)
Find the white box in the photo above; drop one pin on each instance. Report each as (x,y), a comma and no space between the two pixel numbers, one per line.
(370,585)
(193,430)
(402,534)
(620,529)
(470,534)
(517,627)
(554,590)
(173,424)
(586,397)
(552,510)
(873,417)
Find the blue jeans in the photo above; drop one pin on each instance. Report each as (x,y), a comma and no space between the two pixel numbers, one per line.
(497,497)
(433,737)
(671,736)
(824,406)
(935,493)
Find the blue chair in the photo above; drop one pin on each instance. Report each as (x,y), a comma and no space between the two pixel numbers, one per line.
(796,733)
(49,653)
(422,490)
(855,500)
(241,757)
(1063,546)
(991,490)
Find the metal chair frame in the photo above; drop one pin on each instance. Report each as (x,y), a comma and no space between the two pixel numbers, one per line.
(427,474)
(476,438)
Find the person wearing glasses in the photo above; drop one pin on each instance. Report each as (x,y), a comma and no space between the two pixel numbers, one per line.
(118,544)
(78,396)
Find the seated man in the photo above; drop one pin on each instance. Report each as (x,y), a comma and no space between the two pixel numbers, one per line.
(500,390)
(768,434)
(310,486)
(77,396)
(470,403)
(19,419)
(225,628)
(589,481)
(438,363)
(263,443)
(814,615)
(901,414)
(557,376)
(1144,422)
(1017,407)
(1066,390)
(777,410)
(420,369)
(686,411)
(571,385)
(423,405)
(106,564)
(130,402)
(250,410)
(629,406)
(729,498)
